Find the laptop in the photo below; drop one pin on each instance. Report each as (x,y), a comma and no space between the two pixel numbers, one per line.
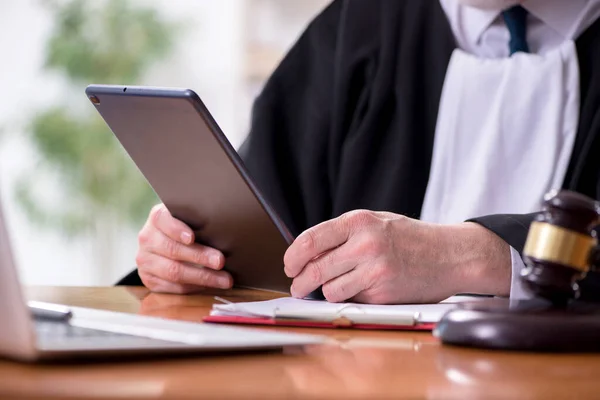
(38,331)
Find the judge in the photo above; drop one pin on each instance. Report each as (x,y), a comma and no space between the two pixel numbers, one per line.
(409,144)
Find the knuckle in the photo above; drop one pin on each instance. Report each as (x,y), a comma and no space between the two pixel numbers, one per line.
(374,297)
(200,257)
(148,280)
(380,272)
(309,240)
(181,289)
(155,213)
(144,237)
(209,280)
(171,248)
(369,245)
(357,216)
(370,276)
(287,258)
(333,293)
(376,245)
(316,271)
(388,225)
(174,272)
(140,259)
(328,260)
(348,218)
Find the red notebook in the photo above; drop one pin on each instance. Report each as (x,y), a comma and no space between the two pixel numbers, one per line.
(230,319)
(319,314)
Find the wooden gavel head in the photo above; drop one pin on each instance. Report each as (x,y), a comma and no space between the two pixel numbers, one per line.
(561,247)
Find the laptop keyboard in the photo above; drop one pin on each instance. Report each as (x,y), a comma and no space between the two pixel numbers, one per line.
(61,330)
(61,336)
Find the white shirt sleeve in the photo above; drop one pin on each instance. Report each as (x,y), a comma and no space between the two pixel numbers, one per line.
(517,291)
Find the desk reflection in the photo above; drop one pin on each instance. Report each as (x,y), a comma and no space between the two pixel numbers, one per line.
(501,375)
(360,369)
(171,307)
(194,307)
(353,364)
(405,364)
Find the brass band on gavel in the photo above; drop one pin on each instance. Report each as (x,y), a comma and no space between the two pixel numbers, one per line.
(562,246)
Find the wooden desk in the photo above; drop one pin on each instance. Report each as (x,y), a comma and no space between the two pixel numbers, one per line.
(368,365)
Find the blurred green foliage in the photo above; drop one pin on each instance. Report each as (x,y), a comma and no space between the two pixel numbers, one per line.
(104,41)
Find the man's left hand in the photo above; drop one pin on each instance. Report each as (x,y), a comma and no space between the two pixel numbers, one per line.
(386,258)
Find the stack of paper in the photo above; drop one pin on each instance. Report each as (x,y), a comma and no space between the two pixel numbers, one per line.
(291,309)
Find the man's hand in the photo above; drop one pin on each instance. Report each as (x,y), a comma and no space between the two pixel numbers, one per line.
(385,258)
(169,261)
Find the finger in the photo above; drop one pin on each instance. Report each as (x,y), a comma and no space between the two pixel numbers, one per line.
(159,285)
(194,253)
(322,269)
(175,229)
(362,297)
(345,286)
(185,274)
(370,296)
(312,243)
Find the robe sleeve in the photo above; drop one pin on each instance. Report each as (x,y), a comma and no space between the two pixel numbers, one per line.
(286,150)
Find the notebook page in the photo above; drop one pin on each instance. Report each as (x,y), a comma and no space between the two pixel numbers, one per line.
(316,308)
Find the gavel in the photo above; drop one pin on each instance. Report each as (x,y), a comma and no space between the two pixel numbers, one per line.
(561,247)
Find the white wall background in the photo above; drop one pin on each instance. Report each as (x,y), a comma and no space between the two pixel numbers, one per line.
(209,58)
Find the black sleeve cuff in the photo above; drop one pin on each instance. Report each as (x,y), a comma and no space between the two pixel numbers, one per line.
(131,279)
(512,228)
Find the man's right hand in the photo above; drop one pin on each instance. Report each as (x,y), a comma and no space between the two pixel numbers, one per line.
(169,261)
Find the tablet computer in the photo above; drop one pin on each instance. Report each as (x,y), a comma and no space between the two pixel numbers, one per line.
(198,175)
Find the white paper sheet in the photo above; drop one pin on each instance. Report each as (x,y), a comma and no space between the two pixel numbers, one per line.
(427,313)
(209,336)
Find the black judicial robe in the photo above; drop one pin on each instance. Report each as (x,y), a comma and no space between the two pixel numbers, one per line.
(347,121)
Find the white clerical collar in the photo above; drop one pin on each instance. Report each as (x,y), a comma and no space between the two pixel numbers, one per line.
(475,21)
(567,18)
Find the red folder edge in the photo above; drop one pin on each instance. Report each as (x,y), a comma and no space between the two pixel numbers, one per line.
(227,319)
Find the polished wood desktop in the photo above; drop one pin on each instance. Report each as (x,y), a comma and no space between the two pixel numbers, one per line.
(360,364)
